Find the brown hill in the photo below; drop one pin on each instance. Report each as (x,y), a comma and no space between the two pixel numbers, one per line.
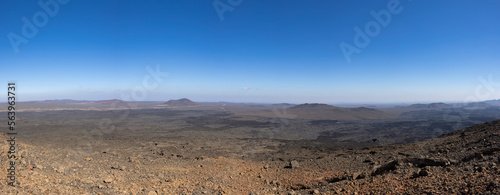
(324,111)
(181,102)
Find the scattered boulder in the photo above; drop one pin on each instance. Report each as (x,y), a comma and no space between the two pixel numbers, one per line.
(424,162)
(119,167)
(423,173)
(108,180)
(385,168)
(294,164)
(199,157)
(152,193)
(362,175)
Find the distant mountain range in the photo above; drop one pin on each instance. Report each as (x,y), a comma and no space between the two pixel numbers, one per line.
(315,111)
(63,101)
(113,101)
(181,102)
(441,105)
(431,105)
(185,101)
(84,101)
(493,102)
(284,105)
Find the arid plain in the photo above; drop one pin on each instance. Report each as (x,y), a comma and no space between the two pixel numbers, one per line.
(184,147)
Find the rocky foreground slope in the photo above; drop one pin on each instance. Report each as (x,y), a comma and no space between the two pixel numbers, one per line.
(463,162)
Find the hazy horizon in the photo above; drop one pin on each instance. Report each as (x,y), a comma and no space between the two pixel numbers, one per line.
(296,103)
(340,52)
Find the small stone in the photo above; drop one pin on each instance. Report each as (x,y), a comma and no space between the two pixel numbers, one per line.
(108,180)
(362,175)
(24,173)
(423,173)
(200,158)
(88,159)
(315,191)
(60,169)
(152,193)
(492,186)
(354,176)
(294,164)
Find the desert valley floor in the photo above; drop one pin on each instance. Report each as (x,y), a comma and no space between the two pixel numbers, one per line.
(182,147)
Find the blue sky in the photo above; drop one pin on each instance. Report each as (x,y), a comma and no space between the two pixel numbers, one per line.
(262,51)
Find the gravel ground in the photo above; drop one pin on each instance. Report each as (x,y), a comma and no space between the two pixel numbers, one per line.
(462,162)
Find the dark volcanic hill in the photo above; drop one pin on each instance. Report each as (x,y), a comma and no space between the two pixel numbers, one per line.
(324,111)
(181,102)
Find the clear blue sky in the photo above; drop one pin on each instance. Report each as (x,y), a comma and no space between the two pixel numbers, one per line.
(262,51)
